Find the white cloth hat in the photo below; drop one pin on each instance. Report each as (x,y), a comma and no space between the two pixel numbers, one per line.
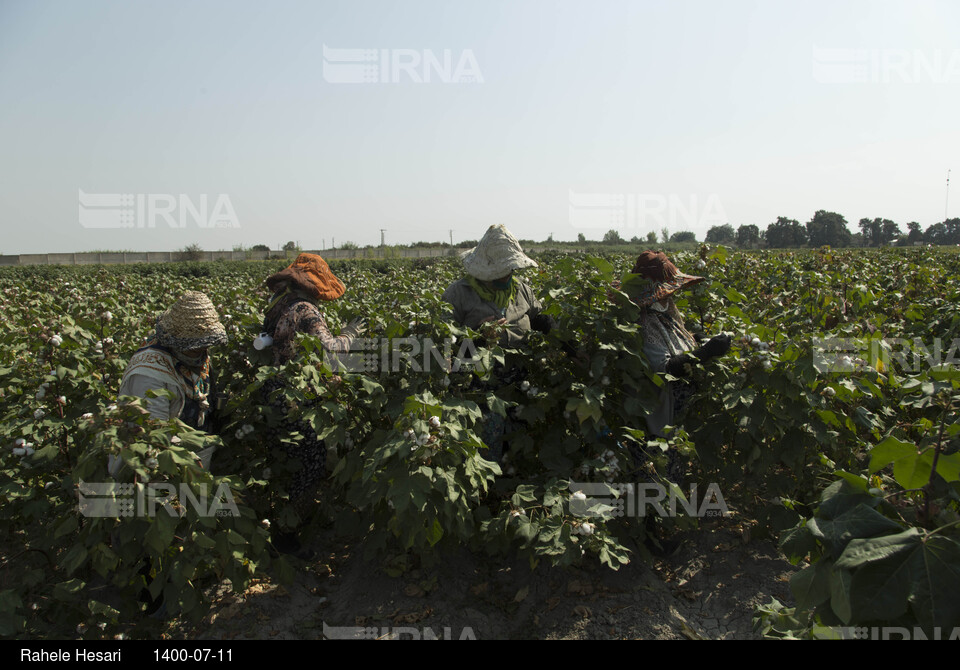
(496,256)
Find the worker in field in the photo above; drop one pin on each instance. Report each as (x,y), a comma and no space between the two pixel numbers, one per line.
(667,344)
(176,359)
(295,307)
(491,296)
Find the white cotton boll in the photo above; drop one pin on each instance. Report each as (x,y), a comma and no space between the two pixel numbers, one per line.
(175,440)
(28,450)
(445,382)
(578,495)
(19,442)
(265,523)
(107,316)
(152,463)
(111,408)
(247,429)
(88,415)
(525,385)
(586,528)
(767,365)
(755,342)
(56,340)
(108,340)
(62,399)
(516,513)
(41,392)
(38,414)
(422,440)
(238,434)
(19,451)
(435,421)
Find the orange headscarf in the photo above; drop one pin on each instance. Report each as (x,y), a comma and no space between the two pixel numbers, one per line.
(311,274)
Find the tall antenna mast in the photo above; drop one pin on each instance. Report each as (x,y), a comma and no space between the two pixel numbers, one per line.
(382,231)
(946,206)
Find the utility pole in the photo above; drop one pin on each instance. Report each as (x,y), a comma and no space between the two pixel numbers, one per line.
(451,237)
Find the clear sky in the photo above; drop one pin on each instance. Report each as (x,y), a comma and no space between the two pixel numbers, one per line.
(552,117)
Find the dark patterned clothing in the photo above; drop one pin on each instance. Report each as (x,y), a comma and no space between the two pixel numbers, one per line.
(296,315)
(291,315)
(664,336)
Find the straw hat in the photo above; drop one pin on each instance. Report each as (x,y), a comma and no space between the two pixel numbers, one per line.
(190,323)
(497,254)
(311,274)
(661,278)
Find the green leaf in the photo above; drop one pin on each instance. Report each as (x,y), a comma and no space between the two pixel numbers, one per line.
(862,551)
(936,582)
(860,522)
(889,450)
(434,532)
(840,594)
(811,586)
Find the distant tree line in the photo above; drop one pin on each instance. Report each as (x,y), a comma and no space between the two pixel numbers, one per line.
(824,229)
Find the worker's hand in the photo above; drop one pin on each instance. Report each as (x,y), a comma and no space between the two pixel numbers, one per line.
(355,327)
(499,322)
(717,346)
(681,366)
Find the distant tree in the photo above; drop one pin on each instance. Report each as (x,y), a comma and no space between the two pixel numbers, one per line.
(889,231)
(828,228)
(581,238)
(345,245)
(935,234)
(635,240)
(290,246)
(550,239)
(784,233)
(664,235)
(748,236)
(952,228)
(870,229)
(612,237)
(683,236)
(651,238)
(914,234)
(721,234)
(259,247)
(191,252)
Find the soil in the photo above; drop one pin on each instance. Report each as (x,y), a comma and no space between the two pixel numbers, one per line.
(707,589)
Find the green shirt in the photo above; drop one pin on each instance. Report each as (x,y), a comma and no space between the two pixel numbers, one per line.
(469,309)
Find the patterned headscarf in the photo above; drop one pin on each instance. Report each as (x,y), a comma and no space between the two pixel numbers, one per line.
(310,274)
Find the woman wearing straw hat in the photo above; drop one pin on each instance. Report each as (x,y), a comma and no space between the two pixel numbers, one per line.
(175,359)
(667,344)
(294,308)
(490,293)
